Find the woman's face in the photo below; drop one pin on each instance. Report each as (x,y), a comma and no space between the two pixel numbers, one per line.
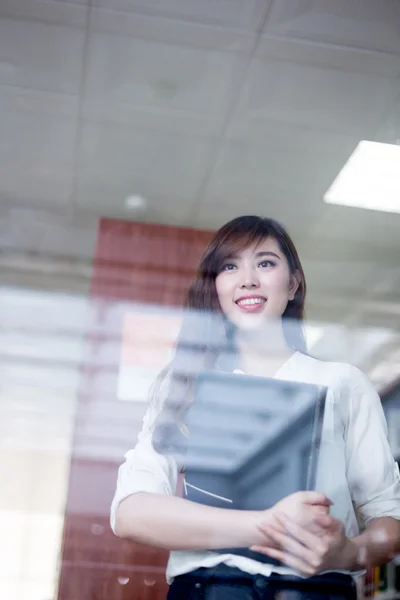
(255,286)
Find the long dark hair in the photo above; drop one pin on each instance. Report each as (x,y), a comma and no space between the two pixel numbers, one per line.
(206,334)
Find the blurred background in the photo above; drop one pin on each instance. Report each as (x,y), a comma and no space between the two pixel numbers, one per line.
(129,131)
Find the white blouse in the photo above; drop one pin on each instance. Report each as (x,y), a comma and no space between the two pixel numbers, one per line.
(355,467)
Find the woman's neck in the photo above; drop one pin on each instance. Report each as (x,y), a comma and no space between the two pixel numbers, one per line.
(263,352)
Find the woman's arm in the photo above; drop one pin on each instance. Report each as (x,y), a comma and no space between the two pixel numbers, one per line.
(377,545)
(146,510)
(311,553)
(175,523)
(373,475)
(374,482)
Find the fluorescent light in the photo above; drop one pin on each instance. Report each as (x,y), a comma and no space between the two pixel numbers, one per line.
(370,179)
(135,202)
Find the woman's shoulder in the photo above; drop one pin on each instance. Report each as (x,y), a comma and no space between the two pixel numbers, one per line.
(349,389)
(333,374)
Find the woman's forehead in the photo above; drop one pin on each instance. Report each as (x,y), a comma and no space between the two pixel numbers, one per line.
(268,244)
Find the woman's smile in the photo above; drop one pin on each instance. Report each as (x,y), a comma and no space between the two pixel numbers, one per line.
(251,303)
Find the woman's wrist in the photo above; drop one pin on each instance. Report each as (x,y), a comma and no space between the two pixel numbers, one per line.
(256,519)
(349,555)
(236,528)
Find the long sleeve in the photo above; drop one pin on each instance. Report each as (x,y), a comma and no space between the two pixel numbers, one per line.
(144,470)
(372,473)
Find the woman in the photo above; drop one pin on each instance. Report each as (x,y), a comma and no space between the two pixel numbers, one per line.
(251,281)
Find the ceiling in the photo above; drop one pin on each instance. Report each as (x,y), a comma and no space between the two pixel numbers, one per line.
(208,109)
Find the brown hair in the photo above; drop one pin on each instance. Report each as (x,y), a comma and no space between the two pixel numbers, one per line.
(206,332)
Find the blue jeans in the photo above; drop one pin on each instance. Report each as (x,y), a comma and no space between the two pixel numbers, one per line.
(227,583)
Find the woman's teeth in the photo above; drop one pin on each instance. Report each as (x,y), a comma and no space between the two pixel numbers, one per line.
(250,301)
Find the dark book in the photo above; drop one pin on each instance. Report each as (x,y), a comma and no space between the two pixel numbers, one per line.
(251,442)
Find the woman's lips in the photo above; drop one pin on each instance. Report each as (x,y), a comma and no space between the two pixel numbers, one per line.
(251,304)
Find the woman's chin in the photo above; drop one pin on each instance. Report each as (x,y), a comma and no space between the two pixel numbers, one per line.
(254,322)
(249,322)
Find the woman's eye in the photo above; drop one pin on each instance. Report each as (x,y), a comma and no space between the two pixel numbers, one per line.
(228,267)
(267,263)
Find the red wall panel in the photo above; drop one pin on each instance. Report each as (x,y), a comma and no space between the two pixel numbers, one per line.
(134,262)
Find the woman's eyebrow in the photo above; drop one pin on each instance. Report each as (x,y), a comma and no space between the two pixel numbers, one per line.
(256,255)
(265,253)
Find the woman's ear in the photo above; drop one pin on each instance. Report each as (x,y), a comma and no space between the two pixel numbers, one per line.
(294,284)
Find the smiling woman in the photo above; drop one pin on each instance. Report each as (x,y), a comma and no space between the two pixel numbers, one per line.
(245,311)
(256,284)
(233,266)
(252,257)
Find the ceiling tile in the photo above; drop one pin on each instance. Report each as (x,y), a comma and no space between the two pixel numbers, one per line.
(137,77)
(52,239)
(329,100)
(117,161)
(84,2)
(61,12)
(37,134)
(271,173)
(328,56)
(369,235)
(292,213)
(175,31)
(287,137)
(237,14)
(366,24)
(294,210)
(386,283)
(212,215)
(40,56)
(162,208)
(354,275)
(158,120)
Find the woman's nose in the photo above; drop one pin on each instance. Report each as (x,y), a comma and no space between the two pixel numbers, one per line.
(250,279)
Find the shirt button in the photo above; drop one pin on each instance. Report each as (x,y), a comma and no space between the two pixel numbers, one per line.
(261,583)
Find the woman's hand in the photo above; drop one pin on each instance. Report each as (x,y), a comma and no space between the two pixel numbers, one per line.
(309,548)
(302,507)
